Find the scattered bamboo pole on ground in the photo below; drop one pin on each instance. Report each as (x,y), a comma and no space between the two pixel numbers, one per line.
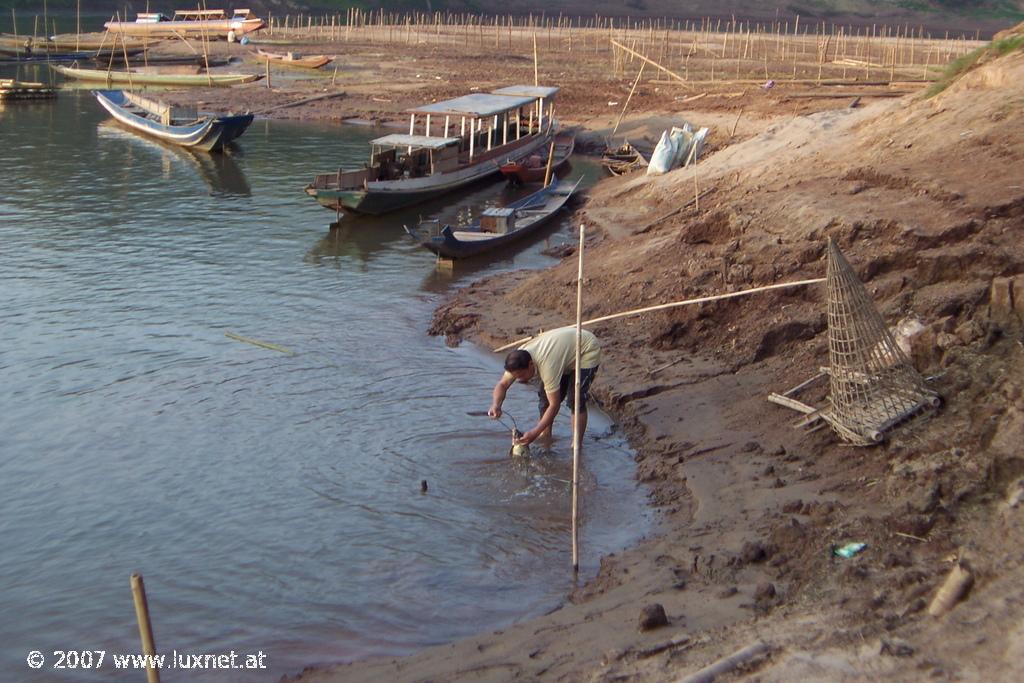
(649,61)
(956,585)
(676,304)
(296,103)
(145,626)
(673,212)
(736,123)
(577,437)
(727,664)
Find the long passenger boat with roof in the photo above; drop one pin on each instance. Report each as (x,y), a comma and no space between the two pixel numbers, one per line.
(450,145)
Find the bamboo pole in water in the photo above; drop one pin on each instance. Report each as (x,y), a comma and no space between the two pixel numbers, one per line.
(145,626)
(577,437)
(551,157)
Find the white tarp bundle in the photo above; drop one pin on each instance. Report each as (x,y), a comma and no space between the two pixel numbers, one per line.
(677,148)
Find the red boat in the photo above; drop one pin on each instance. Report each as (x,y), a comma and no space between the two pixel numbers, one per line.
(532,168)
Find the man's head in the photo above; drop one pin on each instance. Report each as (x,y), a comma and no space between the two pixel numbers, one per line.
(520,365)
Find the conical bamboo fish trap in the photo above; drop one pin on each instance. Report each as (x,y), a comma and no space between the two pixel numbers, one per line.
(873,385)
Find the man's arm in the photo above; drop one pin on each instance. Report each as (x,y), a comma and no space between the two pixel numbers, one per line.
(498,395)
(546,420)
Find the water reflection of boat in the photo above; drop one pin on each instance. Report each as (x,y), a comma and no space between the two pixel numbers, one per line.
(353,240)
(220,172)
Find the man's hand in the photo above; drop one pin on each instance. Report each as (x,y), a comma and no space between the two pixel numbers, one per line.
(527,438)
(494,412)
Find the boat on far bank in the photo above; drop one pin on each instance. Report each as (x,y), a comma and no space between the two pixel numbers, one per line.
(294,59)
(497,226)
(192,23)
(181,126)
(479,132)
(134,78)
(65,48)
(533,168)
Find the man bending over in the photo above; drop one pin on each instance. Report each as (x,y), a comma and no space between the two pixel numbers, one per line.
(549,361)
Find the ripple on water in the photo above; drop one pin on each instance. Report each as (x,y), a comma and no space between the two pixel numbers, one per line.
(272,501)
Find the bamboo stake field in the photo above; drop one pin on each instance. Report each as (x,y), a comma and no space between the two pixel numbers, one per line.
(696,50)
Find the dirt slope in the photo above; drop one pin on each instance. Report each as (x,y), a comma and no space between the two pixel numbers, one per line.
(926,199)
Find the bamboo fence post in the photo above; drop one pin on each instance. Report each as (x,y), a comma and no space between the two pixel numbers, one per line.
(145,626)
(551,158)
(577,437)
(536,80)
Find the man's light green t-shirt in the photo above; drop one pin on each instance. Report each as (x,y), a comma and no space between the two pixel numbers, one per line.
(554,354)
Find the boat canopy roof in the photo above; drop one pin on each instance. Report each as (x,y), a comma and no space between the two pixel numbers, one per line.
(476,104)
(534,91)
(421,141)
(199,14)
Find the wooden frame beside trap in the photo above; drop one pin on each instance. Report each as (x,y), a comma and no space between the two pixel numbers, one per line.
(872,384)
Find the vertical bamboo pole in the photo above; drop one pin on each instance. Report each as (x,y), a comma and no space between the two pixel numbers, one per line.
(145,626)
(17,43)
(536,79)
(577,438)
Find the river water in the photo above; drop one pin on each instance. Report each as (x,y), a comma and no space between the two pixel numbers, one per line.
(271,501)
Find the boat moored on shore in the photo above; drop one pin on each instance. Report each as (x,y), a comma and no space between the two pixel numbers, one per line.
(196,23)
(179,126)
(478,133)
(497,226)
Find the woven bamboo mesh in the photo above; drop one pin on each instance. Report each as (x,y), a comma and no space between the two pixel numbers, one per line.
(873,384)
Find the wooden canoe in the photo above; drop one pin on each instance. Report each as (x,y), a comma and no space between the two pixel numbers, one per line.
(134,78)
(192,129)
(497,227)
(624,159)
(294,59)
(533,168)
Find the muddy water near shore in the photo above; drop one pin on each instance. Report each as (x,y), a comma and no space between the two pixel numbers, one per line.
(271,501)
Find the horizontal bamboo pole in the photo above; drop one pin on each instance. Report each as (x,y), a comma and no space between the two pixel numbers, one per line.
(675,304)
(257,342)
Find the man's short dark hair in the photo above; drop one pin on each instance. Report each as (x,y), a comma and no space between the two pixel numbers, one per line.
(518,360)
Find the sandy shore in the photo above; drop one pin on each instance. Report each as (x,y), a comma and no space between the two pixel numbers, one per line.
(925,199)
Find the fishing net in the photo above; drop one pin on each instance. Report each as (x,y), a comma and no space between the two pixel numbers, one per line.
(873,385)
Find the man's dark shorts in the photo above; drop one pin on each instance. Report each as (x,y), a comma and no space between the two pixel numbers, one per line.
(567,389)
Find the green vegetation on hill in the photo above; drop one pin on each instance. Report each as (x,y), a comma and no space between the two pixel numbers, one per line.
(958,67)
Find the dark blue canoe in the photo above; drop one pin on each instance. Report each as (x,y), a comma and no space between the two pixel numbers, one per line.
(497,227)
(195,130)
